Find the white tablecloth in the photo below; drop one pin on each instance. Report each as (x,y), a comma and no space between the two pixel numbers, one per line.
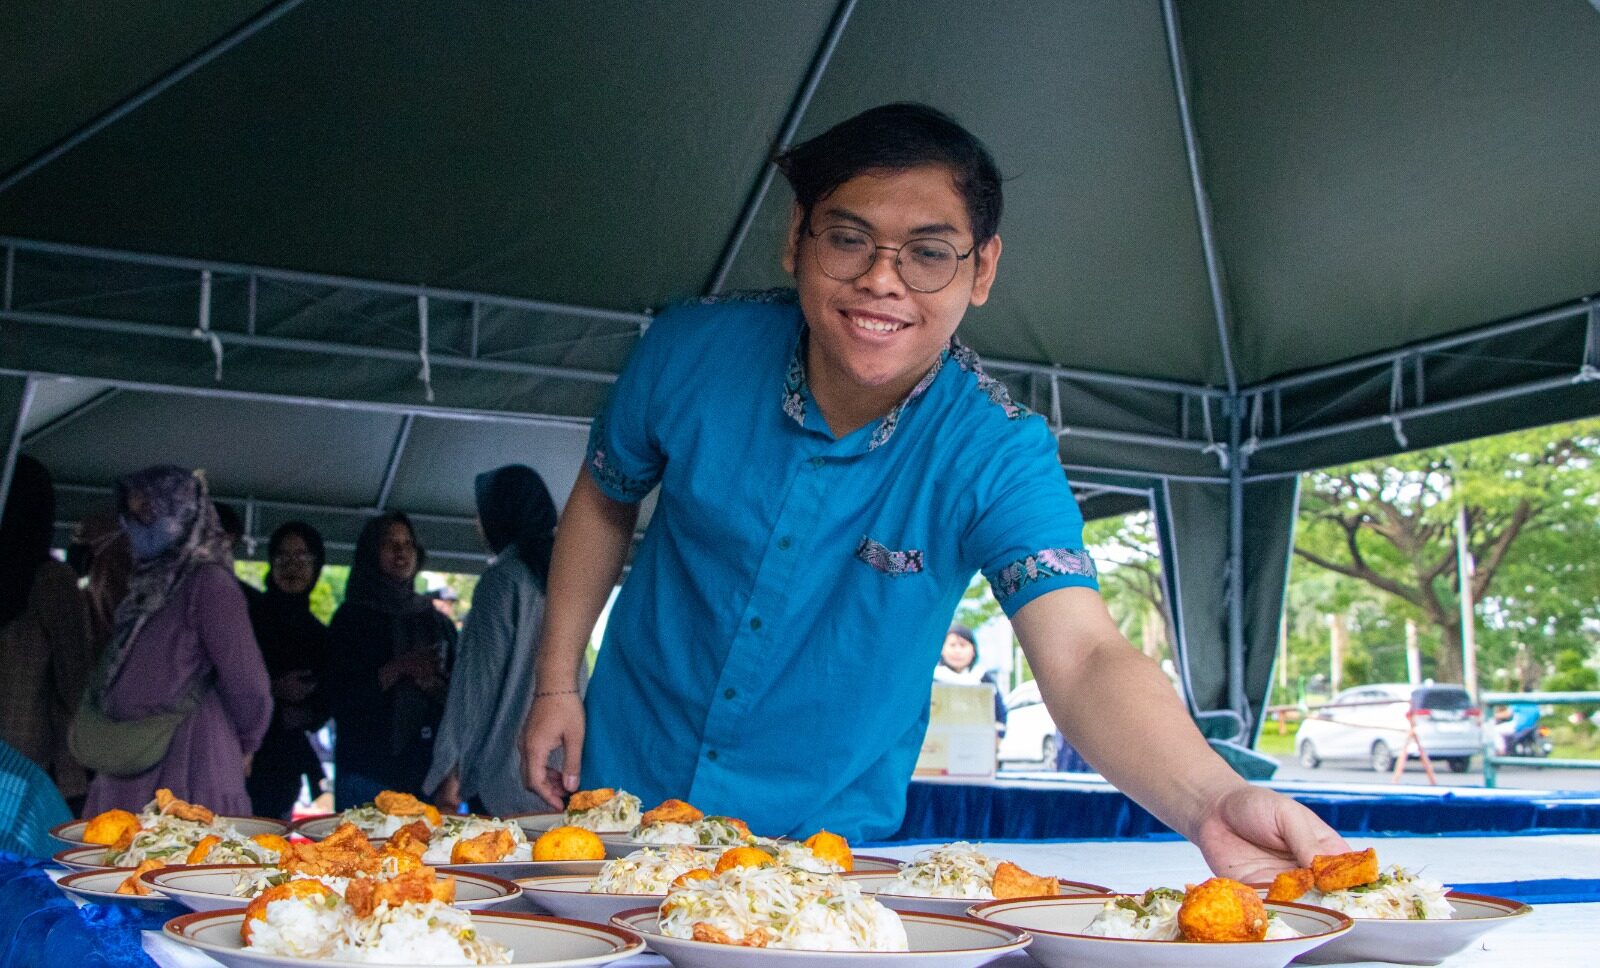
(1554,936)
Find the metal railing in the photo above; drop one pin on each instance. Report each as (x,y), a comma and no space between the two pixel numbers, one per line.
(1493,760)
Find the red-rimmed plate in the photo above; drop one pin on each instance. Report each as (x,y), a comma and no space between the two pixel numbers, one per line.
(873,883)
(535,941)
(1420,942)
(934,940)
(209,887)
(1057,923)
(71,832)
(100,887)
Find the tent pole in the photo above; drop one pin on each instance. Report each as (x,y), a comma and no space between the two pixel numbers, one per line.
(791,125)
(148,93)
(14,438)
(1238,701)
(393,468)
(93,403)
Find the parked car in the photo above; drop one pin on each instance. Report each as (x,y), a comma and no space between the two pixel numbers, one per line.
(1030,732)
(1374,719)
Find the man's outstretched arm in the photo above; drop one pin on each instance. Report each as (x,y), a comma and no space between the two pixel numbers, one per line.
(592,541)
(1118,709)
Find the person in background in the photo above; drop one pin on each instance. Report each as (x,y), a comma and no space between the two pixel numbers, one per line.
(44,633)
(446,601)
(391,660)
(109,562)
(233,528)
(182,636)
(296,650)
(958,664)
(493,682)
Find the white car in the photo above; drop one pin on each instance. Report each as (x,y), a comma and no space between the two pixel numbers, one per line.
(1374,719)
(1030,732)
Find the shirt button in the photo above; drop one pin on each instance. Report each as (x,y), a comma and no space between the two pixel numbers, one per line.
(783,543)
(755,623)
(818,461)
(711,755)
(729,693)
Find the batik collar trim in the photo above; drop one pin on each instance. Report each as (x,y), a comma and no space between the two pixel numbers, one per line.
(795,390)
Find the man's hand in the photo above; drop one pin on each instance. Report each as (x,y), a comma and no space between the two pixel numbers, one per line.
(1251,834)
(448,797)
(554,723)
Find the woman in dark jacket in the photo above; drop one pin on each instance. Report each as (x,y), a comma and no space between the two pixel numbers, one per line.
(297,653)
(391,659)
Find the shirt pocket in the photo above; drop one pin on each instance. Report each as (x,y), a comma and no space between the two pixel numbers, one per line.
(887,561)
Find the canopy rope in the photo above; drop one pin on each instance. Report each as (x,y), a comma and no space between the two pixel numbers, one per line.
(203,331)
(426,373)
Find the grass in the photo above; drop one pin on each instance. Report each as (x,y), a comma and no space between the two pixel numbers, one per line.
(1571,743)
(1274,745)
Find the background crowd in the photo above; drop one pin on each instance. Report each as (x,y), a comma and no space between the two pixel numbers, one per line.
(141,661)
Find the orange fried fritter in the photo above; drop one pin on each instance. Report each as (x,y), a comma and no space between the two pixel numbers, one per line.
(256,910)
(170,805)
(413,837)
(743,857)
(568,843)
(413,887)
(1222,910)
(671,811)
(1290,885)
(486,848)
(272,842)
(405,805)
(199,852)
(831,847)
(589,799)
(759,938)
(403,860)
(693,874)
(1335,872)
(135,886)
(108,828)
(1012,881)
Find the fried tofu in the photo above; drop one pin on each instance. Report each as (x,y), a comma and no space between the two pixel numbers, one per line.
(568,843)
(420,886)
(1290,885)
(405,805)
(1337,872)
(671,811)
(110,827)
(486,848)
(1012,881)
(831,847)
(171,806)
(589,799)
(759,938)
(1222,910)
(345,853)
(413,837)
(133,885)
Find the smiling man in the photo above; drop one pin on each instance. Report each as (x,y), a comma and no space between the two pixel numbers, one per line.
(833,466)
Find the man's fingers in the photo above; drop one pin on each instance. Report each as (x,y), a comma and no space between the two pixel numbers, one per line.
(1307,835)
(572,762)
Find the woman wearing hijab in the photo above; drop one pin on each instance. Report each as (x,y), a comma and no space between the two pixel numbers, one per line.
(391,660)
(492,684)
(295,648)
(182,642)
(44,640)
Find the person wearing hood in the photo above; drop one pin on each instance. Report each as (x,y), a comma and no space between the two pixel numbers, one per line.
(391,659)
(493,682)
(295,648)
(44,640)
(182,645)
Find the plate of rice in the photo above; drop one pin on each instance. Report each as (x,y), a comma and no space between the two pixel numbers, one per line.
(72,833)
(949,878)
(1158,929)
(1399,915)
(218,887)
(422,936)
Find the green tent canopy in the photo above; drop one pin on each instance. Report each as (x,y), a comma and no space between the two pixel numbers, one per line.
(344,255)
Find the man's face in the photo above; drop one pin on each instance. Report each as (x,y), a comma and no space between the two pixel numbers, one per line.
(875,332)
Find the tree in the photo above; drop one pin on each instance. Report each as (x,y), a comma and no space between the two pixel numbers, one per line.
(1530,501)
(1129,558)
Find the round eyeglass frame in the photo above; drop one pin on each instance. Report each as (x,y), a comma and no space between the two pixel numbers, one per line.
(899,269)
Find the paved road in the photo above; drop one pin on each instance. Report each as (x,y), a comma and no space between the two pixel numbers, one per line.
(1508,777)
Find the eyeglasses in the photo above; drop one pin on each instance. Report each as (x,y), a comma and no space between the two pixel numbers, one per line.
(298,558)
(925,265)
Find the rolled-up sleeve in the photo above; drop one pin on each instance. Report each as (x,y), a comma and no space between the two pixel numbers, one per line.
(1027,531)
(625,456)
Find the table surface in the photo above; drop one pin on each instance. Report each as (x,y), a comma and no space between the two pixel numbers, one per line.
(1553,936)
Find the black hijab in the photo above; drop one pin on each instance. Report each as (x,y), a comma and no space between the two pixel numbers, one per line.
(516,509)
(319,553)
(26,528)
(369,585)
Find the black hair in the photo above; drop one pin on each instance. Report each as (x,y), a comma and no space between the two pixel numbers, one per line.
(26,528)
(897,137)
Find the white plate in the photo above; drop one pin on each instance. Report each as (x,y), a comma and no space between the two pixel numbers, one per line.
(93,859)
(616,848)
(936,941)
(1056,921)
(71,832)
(568,896)
(871,882)
(535,942)
(534,824)
(209,887)
(1420,942)
(100,887)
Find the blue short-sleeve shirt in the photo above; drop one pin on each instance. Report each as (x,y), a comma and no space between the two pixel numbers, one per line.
(769,654)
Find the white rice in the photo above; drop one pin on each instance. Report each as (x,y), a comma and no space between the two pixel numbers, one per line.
(798,910)
(1396,896)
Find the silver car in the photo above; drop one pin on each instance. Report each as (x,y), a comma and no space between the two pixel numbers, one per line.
(1370,723)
